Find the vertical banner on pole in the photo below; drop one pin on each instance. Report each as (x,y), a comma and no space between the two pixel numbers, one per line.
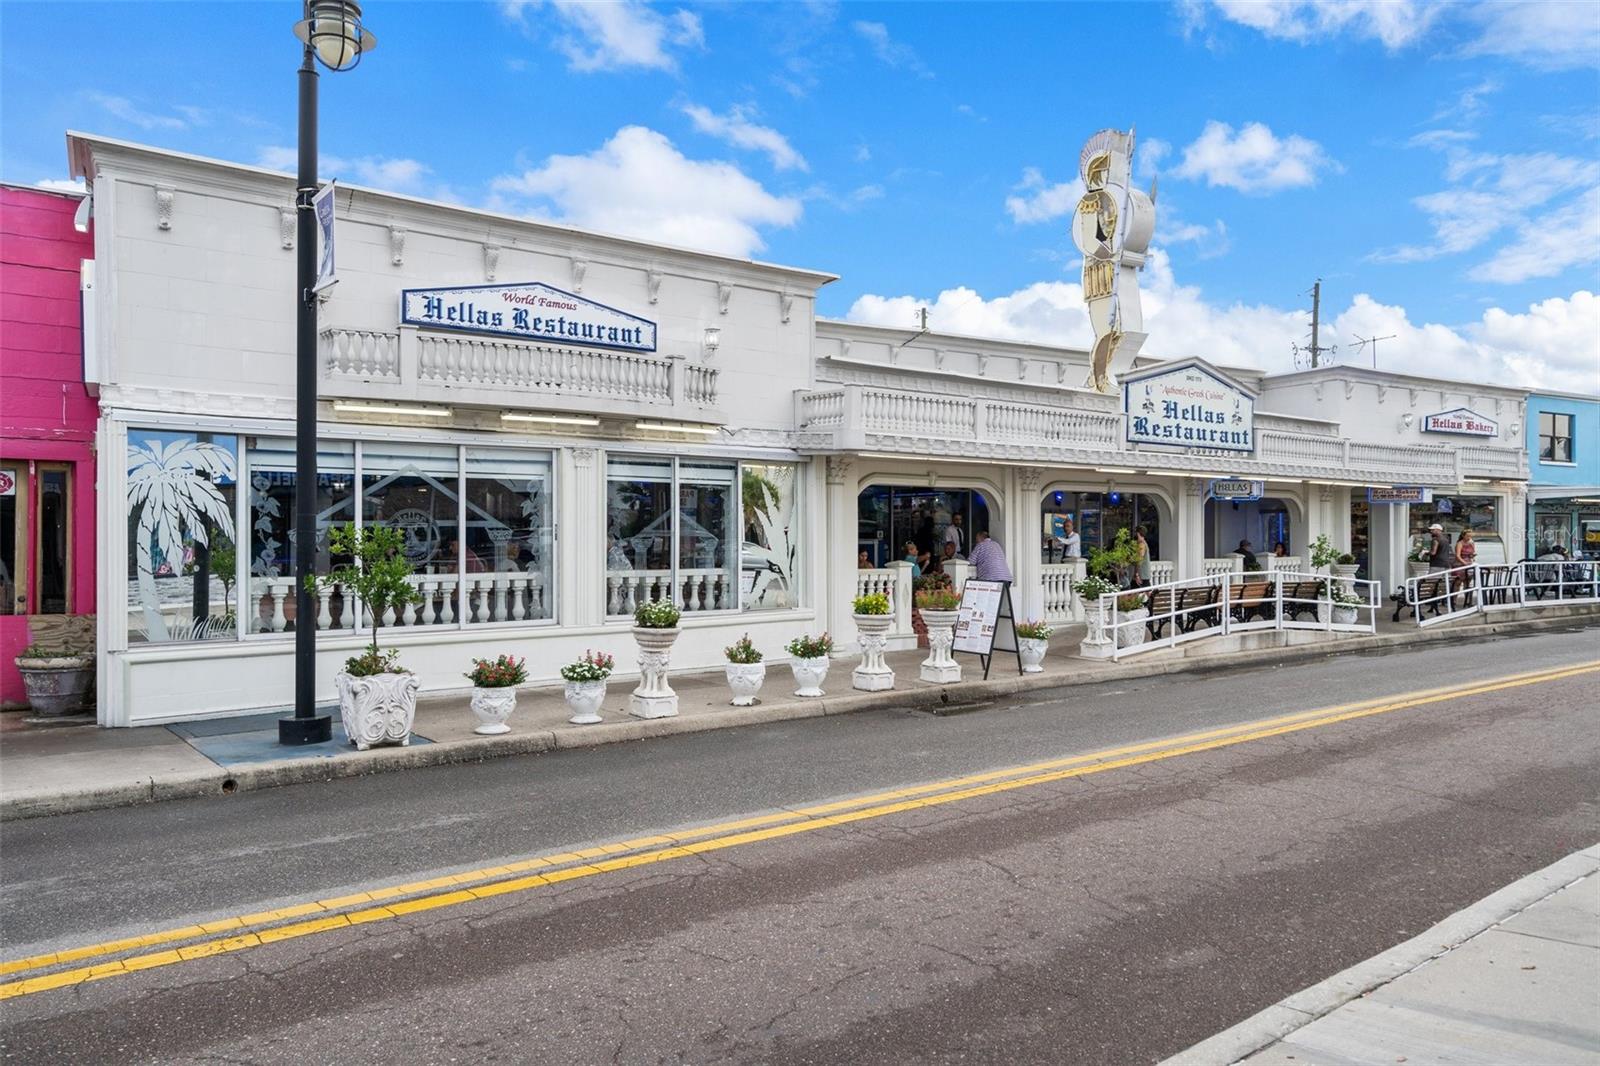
(322,205)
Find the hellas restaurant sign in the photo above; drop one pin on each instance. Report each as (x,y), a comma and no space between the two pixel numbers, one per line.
(1189,406)
(530,311)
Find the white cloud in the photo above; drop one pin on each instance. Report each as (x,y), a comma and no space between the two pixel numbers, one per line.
(736,128)
(1040,201)
(615,35)
(379,172)
(1554,344)
(639,185)
(1550,202)
(863,154)
(126,110)
(892,52)
(1543,34)
(1209,241)
(1395,23)
(1254,160)
(61,185)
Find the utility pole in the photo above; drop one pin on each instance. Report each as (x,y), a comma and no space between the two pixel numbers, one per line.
(922,319)
(1316,350)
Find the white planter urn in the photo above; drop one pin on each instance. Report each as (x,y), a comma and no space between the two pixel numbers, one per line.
(584,699)
(940,667)
(809,675)
(1416,569)
(1345,570)
(1096,643)
(1344,615)
(745,680)
(1032,652)
(492,707)
(1129,634)
(873,675)
(378,708)
(654,698)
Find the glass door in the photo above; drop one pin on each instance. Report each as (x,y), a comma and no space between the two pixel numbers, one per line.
(13,539)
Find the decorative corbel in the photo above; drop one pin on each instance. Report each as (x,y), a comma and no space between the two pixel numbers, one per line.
(286,226)
(724,294)
(1413,395)
(1349,389)
(844,347)
(983,366)
(397,245)
(1022,370)
(491,261)
(1316,390)
(938,358)
(580,267)
(652,284)
(164,195)
(1383,392)
(1061,373)
(785,305)
(1497,404)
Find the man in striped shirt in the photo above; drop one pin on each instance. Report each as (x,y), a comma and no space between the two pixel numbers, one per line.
(988,559)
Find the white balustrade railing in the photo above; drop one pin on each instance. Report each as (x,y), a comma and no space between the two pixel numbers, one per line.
(821,410)
(876,581)
(1221,566)
(693,591)
(504,596)
(1162,571)
(1061,604)
(363,354)
(1418,462)
(1282,562)
(1052,425)
(1299,448)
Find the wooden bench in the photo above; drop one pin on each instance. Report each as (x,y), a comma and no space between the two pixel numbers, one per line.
(1252,598)
(1162,602)
(1427,589)
(1300,597)
(1200,607)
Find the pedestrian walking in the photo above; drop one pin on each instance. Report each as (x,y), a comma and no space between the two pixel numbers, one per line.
(1440,555)
(1142,560)
(988,559)
(1466,555)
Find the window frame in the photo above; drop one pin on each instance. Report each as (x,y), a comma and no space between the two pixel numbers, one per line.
(1547,439)
(735,517)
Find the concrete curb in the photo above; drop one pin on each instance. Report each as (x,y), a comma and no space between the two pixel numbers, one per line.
(1306,1006)
(935,699)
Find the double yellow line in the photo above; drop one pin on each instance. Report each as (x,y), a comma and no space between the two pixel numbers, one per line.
(267,927)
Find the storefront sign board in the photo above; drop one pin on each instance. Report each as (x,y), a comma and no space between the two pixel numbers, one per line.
(986,622)
(1189,406)
(322,205)
(530,311)
(1236,489)
(1400,494)
(8,484)
(1461,421)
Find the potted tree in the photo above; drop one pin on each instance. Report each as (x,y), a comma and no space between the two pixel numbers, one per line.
(1323,554)
(377,696)
(655,628)
(746,671)
(1033,640)
(494,691)
(586,686)
(872,618)
(810,663)
(940,610)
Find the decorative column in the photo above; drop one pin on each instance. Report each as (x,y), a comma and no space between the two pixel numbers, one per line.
(1191,529)
(582,516)
(840,552)
(1022,543)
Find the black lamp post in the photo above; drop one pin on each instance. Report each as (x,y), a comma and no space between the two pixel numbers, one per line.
(333,35)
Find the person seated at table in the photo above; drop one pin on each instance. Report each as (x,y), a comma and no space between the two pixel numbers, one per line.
(863,560)
(1280,550)
(1250,560)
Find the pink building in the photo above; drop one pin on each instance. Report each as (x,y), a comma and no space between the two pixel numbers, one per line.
(47,421)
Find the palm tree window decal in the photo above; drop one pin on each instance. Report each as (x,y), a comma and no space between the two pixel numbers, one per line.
(180,505)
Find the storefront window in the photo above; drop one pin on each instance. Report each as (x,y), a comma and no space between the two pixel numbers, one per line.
(770,554)
(53,541)
(1555,437)
(509,535)
(414,488)
(888,517)
(181,492)
(655,551)
(1095,517)
(270,466)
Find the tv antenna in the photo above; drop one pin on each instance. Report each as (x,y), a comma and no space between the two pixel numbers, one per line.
(1374,342)
(922,324)
(1314,354)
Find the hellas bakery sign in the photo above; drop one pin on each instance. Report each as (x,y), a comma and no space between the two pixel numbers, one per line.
(1461,421)
(531,311)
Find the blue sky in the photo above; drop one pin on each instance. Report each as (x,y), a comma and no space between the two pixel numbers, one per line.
(1438,166)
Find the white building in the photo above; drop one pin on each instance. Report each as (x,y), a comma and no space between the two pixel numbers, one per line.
(656,422)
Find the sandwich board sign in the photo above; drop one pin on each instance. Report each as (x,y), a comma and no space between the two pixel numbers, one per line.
(986,622)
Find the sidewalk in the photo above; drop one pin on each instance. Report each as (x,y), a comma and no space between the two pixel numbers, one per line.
(56,770)
(1512,979)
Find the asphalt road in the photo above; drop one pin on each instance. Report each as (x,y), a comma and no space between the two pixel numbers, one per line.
(1113,917)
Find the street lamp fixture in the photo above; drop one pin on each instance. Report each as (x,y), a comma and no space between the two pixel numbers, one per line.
(332,29)
(331,33)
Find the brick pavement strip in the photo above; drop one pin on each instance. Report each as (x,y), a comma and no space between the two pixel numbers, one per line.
(1512,978)
(45,773)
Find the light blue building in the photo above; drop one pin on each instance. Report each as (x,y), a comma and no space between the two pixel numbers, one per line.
(1564,473)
